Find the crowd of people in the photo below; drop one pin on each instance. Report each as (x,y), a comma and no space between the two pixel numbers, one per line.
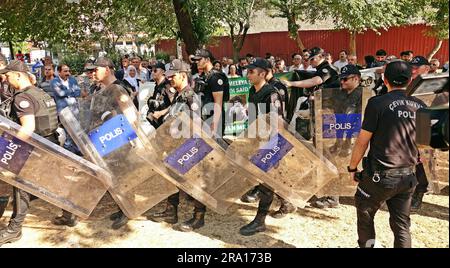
(179,82)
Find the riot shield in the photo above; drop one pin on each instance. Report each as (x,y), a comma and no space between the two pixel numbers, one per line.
(114,140)
(435,161)
(145,92)
(49,172)
(338,118)
(282,159)
(197,163)
(294,109)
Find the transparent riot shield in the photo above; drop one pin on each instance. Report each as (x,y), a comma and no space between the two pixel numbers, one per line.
(49,172)
(338,117)
(113,139)
(435,161)
(282,159)
(145,92)
(197,163)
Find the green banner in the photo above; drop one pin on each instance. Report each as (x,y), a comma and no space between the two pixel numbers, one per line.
(236,117)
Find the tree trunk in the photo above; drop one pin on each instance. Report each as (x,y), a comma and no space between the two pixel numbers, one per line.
(293,32)
(435,50)
(185,24)
(11,50)
(352,45)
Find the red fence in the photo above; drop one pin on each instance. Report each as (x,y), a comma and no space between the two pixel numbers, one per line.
(395,40)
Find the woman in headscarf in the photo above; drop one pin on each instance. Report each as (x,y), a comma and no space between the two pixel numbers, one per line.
(131,78)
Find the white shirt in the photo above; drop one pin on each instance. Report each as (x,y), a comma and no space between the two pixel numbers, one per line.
(339,64)
(309,69)
(65,83)
(295,67)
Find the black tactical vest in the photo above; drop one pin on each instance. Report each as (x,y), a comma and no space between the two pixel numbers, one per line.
(46,117)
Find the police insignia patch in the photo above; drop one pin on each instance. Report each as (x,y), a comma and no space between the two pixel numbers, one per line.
(194,106)
(325,71)
(220,82)
(24,104)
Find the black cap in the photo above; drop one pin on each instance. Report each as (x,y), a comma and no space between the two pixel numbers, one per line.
(177,67)
(104,62)
(419,61)
(15,66)
(259,63)
(203,53)
(398,72)
(314,52)
(348,70)
(159,65)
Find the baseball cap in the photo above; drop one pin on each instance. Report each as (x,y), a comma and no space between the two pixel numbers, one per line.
(259,63)
(15,66)
(419,61)
(398,72)
(177,67)
(314,52)
(203,53)
(348,70)
(104,62)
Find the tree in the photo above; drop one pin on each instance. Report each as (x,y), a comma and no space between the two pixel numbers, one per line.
(294,11)
(360,16)
(435,14)
(236,15)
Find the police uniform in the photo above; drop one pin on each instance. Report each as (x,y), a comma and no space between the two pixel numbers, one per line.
(265,99)
(282,90)
(330,76)
(206,85)
(163,97)
(186,100)
(389,170)
(31,101)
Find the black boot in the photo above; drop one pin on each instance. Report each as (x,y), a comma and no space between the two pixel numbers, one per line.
(169,215)
(9,235)
(67,218)
(119,221)
(416,202)
(257,225)
(3,203)
(251,196)
(197,221)
(285,209)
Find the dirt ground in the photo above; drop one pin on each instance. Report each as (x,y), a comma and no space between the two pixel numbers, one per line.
(306,228)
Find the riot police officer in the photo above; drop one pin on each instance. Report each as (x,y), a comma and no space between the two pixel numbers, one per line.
(214,90)
(265,98)
(36,112)
(389,170)
(163,95)
(327,77)
(185,99)
(286,207)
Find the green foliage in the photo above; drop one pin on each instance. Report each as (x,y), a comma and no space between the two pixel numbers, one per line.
(162,55)
(76,62)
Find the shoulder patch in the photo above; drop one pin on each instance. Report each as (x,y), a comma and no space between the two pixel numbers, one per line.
(24,104)
(220,82)
(194,106)
(325,71)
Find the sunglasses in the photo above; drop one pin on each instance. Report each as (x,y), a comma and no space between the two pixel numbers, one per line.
(345,79)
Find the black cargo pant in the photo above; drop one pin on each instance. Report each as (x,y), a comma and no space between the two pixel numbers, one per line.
(422,186)
(265,200)
(21,204)
(370,195)
(174,200)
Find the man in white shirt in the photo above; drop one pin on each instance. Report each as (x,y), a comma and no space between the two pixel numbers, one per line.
(296,62)
(342,60)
